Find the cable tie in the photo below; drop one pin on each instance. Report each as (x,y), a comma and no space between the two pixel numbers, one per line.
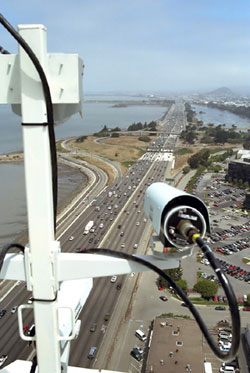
(34,124)
(195,236)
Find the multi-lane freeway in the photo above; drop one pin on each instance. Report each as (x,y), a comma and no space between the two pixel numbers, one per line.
(119,223)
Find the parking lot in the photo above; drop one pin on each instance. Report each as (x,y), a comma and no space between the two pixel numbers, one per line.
(230,225)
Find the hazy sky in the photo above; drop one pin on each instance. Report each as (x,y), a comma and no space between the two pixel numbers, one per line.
(145,45)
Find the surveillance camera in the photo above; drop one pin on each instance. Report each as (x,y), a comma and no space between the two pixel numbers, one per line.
(168,208)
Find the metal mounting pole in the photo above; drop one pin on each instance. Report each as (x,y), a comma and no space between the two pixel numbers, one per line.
(39,200)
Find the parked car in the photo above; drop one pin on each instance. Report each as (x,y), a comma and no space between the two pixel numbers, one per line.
(220,308)
(135,354)
(162,297)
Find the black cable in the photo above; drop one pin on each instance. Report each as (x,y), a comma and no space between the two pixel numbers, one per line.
(233,305)
(49,106)
(34,365)
(235,319)
(6,248)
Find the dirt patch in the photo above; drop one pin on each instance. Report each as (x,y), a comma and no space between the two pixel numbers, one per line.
(15,157)
(126,141)
(118,153)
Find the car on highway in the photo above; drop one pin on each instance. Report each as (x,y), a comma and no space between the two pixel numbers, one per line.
(225,344)
(135,246)
(92,352)
(3,358)
(246,309)
(93,328)
(107,316)
(2,313)
(71,238)
(119,286)
(113,279)
(227,336)
(123,245)
(14,309)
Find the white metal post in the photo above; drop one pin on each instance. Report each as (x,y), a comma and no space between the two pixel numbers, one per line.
(39,199)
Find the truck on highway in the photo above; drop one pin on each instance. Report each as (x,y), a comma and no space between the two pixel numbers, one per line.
(88,227)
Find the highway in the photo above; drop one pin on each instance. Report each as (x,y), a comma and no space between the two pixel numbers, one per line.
(126,205)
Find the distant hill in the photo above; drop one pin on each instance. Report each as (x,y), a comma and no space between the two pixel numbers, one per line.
(221,92)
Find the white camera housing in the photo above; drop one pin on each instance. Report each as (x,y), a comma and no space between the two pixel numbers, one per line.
(165,206)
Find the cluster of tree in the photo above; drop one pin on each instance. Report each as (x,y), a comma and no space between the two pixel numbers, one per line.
(144,138)
(219,135)
(243,111)
(176,276)
(189,112)
(103,132)
(145,127)
(199,159)
(189,135)
(237,182)
(206,288)
(81,138)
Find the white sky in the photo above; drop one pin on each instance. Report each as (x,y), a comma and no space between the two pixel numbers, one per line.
(145,45)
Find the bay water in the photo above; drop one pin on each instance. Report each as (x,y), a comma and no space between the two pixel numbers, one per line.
(216,116)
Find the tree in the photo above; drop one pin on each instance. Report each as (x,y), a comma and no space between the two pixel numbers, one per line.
(175,274)
(81,138)
(182,284)
(115,134)
(246,145)
(246,185)
(206,288)
(144,138)
(186,170)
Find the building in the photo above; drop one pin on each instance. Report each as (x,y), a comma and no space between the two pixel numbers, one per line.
(172,346)
(239,169)
(243,153)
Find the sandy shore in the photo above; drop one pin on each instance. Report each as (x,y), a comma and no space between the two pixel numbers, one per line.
(12,157)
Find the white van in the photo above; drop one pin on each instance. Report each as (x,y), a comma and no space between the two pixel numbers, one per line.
(92,353)
(139,334)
